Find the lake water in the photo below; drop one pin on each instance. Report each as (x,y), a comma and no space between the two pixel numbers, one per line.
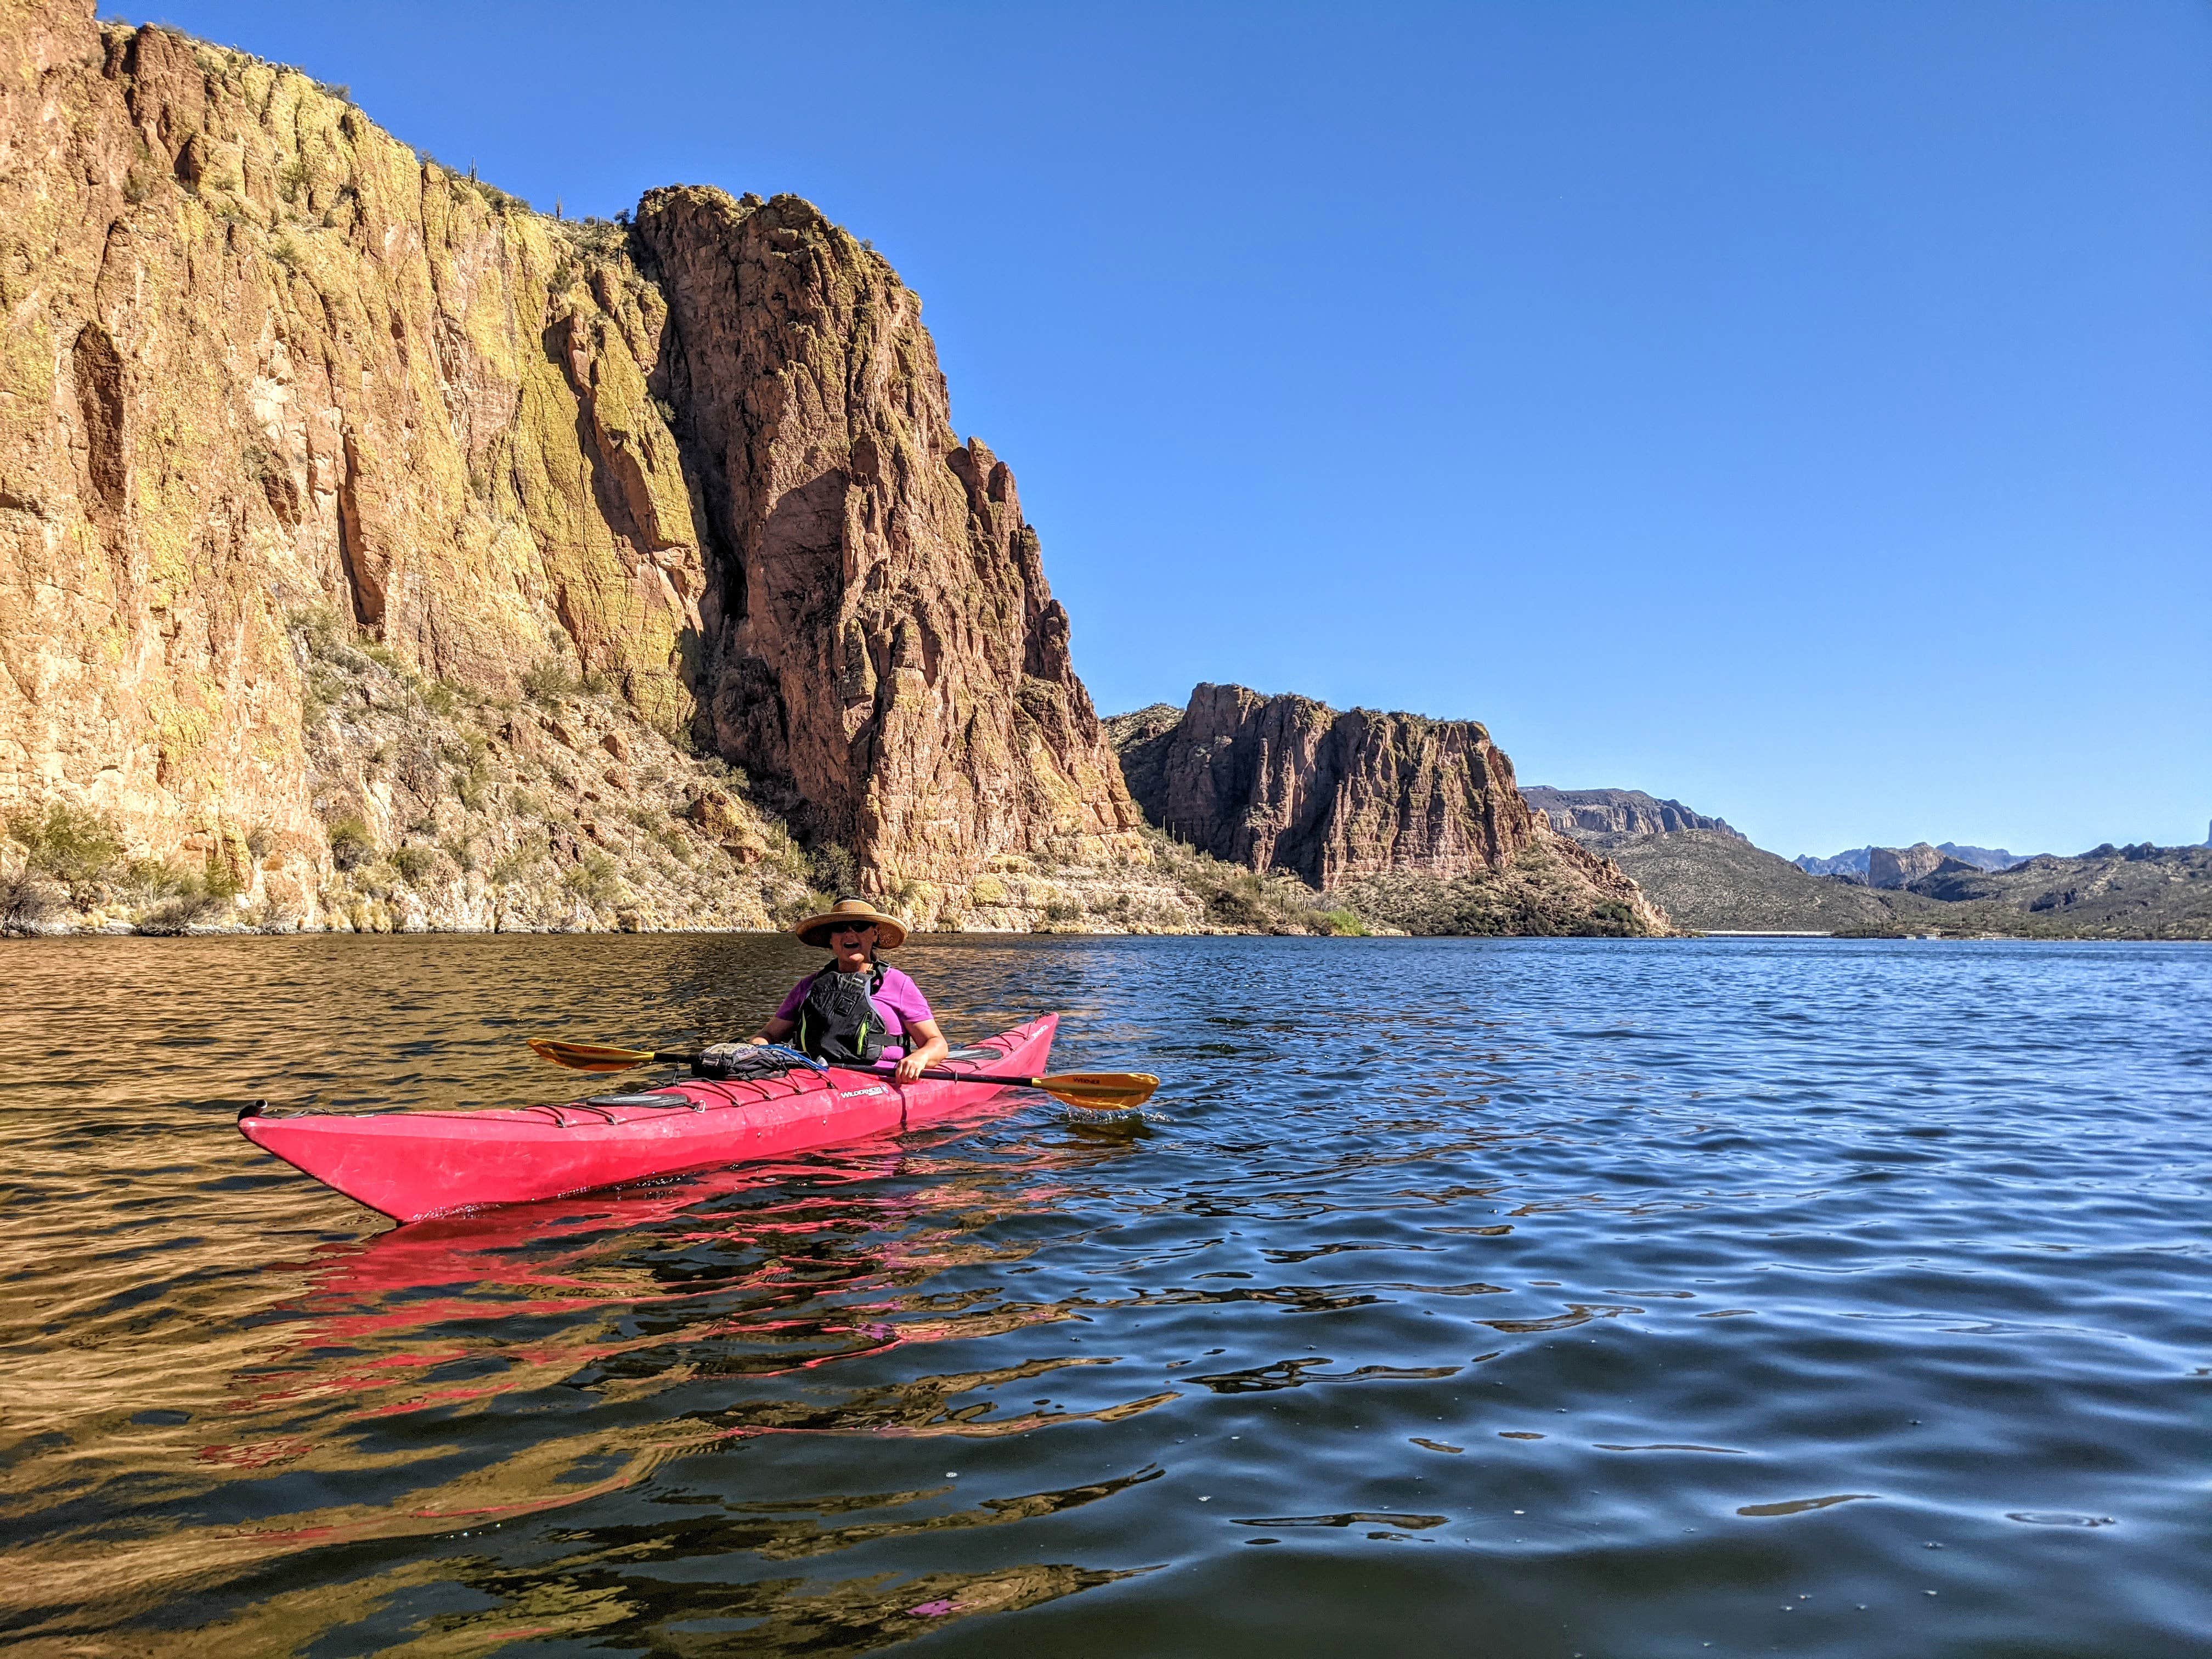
(1542,1297)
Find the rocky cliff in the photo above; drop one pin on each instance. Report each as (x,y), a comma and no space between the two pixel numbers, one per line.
(1378,807)
(269,374)
(1286,783)
(1894,867)
(1584,813)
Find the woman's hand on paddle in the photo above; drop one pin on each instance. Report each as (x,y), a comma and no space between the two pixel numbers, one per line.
(918,1060)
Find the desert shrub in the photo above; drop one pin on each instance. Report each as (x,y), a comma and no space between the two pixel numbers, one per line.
(28,902)
(518,861)
(1336,924)
(1612,919)
(833,869)
(218,883)
(461,850)
(591,879)
(468,747)
(351,843)
(258,841)
(794,903)
(548,681)
(416,865)
(75,846)
(1232,906)
(177,914)
(441,698)
(322,688)
(1061,909)
(316,628)
(186,895)
(147,879)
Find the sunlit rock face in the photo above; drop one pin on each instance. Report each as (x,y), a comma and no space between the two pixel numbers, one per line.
(879,630)
(266,369)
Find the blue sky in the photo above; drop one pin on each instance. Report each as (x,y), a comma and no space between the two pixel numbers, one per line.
(1803,410)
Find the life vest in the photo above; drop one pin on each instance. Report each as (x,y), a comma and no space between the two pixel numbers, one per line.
(838,1023)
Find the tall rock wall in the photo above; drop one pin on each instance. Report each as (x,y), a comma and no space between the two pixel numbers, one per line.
(264,363)
(880,629)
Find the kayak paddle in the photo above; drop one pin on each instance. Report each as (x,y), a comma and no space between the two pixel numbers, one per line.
(1094,1089)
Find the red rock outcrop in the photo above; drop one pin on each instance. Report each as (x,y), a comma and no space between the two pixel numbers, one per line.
(1286,784)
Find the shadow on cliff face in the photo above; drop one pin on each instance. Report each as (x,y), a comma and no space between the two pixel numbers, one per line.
(780,702)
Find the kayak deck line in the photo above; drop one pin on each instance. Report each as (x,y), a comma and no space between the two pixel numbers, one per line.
(411,1164)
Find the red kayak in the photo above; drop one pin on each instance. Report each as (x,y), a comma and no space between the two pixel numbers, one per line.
(413,1165)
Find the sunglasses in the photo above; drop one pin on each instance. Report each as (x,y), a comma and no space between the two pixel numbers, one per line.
(843,928)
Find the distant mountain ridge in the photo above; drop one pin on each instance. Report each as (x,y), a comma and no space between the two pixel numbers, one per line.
(1706,881)
(1581,812)
(1859,859)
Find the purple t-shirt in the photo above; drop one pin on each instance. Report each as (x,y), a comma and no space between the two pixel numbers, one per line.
(900,1000)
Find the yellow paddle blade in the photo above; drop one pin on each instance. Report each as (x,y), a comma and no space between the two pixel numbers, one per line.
(1109,1089)
(589,1056)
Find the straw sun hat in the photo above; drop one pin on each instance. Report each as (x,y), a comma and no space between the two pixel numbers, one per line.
(891,936)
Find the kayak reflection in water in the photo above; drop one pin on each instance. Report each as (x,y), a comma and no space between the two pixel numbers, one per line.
(854,1010)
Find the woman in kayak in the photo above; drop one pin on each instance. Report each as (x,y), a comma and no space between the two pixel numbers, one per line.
(855,1010)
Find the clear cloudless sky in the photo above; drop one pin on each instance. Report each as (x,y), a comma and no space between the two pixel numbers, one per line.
(1804,410)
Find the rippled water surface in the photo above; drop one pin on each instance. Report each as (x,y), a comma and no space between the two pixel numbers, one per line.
(1503,1297)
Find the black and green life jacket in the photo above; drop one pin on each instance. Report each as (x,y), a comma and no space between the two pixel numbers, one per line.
(837,1022)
